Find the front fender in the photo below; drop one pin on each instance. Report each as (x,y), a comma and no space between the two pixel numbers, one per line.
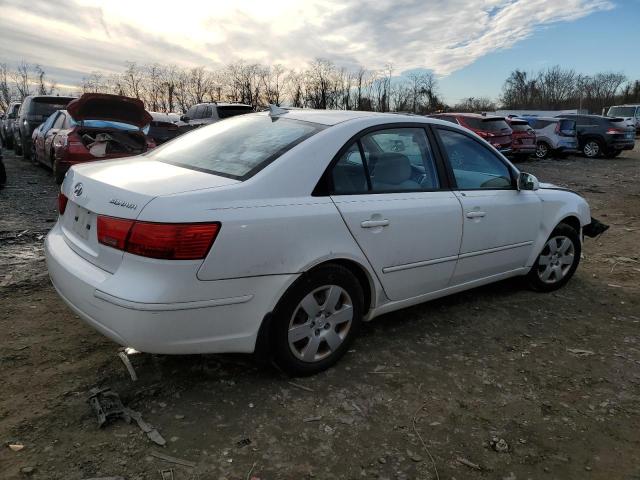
(558,205)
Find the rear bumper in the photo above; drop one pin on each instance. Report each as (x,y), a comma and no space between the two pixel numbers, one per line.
(227,320)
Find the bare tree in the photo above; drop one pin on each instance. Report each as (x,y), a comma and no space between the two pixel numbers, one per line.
(22,80)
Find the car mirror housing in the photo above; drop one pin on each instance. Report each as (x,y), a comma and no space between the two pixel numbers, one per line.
(526,181)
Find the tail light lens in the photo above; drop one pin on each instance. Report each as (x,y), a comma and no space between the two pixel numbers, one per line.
(614,131)
(62,203)
(113,232)
(168,241)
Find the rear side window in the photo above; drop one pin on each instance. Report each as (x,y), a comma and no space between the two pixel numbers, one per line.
(474,166)
(237,148)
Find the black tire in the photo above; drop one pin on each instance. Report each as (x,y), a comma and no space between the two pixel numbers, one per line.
(592,148)
(26,150)
(34,157)
(543,149)
(58,173)
(3,174)
(290,305)
(17,149)
(612,153)
(537,272)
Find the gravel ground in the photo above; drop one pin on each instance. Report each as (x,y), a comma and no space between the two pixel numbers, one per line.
(498,382)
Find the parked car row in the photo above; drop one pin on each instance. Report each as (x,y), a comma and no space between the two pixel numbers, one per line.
(63,131)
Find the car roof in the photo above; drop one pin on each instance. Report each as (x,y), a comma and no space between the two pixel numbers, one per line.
(333,117)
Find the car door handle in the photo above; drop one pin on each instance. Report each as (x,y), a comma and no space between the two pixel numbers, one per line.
(476,214)
(374,223)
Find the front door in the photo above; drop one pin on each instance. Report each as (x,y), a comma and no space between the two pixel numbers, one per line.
(500,223)
(388,190)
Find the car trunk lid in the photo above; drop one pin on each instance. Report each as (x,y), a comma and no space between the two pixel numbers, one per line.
(121,189)
(113,108)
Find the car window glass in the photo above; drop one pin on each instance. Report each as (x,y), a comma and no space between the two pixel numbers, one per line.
(59,122)
(191,112)
(200,111)
(400,160)
(348,175)
(474,166)
(47,125)
(208,113)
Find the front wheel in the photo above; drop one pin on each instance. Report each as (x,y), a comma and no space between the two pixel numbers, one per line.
(316,320)
(558,260)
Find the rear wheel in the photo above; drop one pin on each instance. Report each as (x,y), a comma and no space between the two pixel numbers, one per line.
(316,320)
(592,148)
(558,260)
(542,150)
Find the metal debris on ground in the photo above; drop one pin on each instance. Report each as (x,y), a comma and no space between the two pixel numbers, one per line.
(469,464)
(580,352)
(312,419)
(127,363)
(499,445)
(243,443)
(166,474)
(108,407)
(301,387)
(16,447)
(170,459)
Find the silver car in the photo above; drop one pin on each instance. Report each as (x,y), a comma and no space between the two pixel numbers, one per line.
(554,136)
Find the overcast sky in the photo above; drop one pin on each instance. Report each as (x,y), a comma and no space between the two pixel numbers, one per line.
(71,38)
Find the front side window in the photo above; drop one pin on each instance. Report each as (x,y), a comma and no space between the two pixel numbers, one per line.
(59,123)
(395,160)
(474,166)
(236,148)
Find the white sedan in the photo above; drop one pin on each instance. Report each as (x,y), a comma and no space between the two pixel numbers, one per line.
(284,230)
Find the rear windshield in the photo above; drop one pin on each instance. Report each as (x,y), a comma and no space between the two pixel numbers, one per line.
(233,110)
(46,106)
(520,127)
(623,112)
(236,148)
(486,124)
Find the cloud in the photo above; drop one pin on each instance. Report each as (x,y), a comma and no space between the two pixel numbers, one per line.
(80,36)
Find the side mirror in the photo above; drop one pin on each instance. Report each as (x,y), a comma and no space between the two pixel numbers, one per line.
(184,118)
(526,181)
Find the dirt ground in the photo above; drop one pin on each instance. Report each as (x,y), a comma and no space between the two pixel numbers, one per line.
(495,383)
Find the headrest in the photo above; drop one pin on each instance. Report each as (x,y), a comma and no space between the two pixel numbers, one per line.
(392,168)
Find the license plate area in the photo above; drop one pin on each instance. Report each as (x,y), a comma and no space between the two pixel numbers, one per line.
(83,222)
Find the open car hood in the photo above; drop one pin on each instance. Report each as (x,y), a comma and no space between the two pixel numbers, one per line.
(114,108)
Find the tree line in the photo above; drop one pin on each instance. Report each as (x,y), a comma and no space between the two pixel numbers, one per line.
(558,88)
(324,85)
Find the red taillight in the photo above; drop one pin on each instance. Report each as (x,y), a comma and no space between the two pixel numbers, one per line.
(113,232)
(62,203)
(614,131)
(169,241)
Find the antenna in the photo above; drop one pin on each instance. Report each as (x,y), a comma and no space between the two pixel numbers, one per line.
(275,110)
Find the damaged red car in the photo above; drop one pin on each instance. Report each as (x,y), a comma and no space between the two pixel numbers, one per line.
(96,126)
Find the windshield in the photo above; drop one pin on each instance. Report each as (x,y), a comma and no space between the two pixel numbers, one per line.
(622,112)
(486,124)
(235,148)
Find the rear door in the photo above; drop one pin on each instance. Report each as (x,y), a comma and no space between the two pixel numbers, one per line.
(500,222)
(393,197)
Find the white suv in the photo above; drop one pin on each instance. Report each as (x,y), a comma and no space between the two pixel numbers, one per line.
(630,113)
